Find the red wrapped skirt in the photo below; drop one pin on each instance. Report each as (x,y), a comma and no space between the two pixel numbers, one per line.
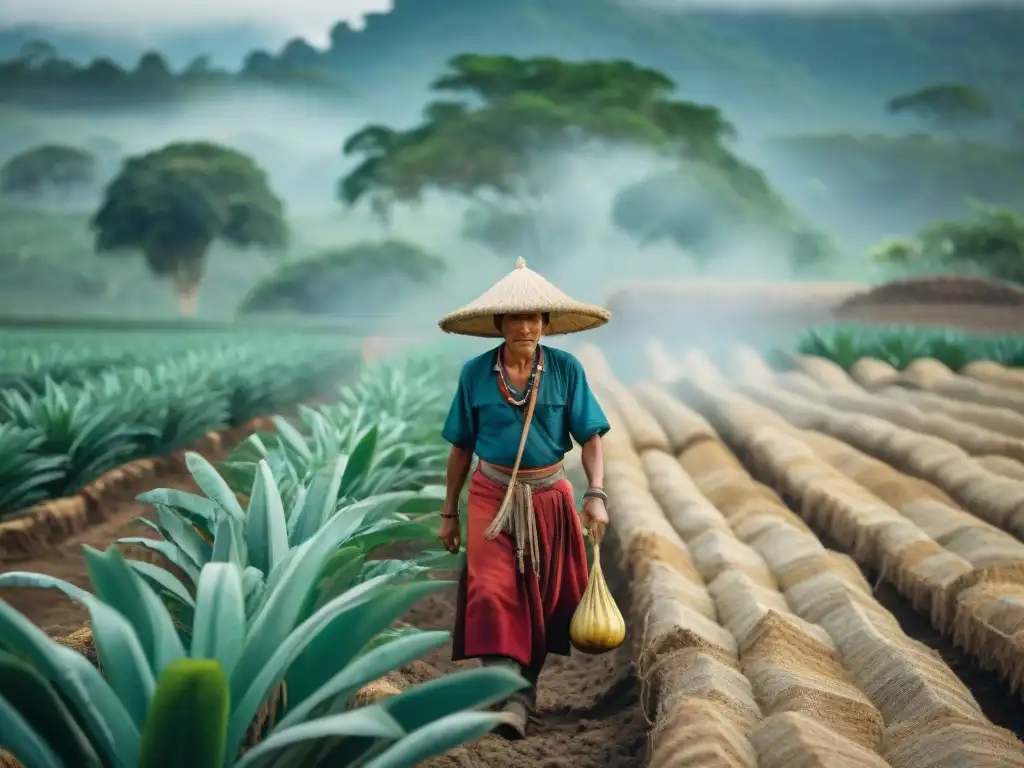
(502,612)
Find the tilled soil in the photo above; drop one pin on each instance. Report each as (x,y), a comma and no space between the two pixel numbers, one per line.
(48,608)
(588,715)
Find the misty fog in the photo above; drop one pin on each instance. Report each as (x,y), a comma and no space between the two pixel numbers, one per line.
(297,140)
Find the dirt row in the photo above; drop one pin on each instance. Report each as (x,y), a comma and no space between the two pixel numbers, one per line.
(49,609)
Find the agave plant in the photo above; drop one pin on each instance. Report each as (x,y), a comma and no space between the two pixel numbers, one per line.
(26,470)
(263,539)
(901,345)
(416,390)
(166,398)
(98,419)
(94,435)
(160,702)
(379,458)
(388,424)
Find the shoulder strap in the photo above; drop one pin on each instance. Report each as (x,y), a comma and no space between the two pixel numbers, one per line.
(531,404)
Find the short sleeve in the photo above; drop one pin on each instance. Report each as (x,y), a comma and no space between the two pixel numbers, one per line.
(586,418)
(460,427)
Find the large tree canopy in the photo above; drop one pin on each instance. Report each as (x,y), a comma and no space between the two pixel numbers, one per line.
(369,279)
(47,167)
(514,109)
(488,143)
(173,203)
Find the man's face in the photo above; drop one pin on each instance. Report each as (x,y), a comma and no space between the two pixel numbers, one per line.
(522,332)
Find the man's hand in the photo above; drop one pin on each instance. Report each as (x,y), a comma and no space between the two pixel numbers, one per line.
(594,515)
(450,534)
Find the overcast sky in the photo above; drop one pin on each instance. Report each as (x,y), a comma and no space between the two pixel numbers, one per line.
(142,19)
(139,18)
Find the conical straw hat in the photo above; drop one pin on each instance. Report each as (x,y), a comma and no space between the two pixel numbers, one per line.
(521,291)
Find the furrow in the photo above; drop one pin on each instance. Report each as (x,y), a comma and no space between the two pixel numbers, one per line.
(974,439)
(954,594)
(794,667)
(995,498)
(701,707)
(913,689)
(932,376)
(991,372)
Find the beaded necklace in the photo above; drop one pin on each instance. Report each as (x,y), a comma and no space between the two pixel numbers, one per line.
(508,391)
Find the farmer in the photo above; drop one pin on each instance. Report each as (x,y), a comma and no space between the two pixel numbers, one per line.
(516,408)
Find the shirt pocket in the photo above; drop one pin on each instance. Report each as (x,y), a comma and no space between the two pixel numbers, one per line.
(550,413)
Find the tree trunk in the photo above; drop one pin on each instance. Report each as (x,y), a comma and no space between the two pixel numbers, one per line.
(183,265)
(188,303)
(186,278)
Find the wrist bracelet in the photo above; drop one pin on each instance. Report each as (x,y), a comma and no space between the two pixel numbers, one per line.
(595,493)
(450,515)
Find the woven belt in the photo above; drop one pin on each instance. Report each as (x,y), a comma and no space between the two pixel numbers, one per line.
(517,518)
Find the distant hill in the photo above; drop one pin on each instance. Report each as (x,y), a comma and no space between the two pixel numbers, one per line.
(806,67)
(879,52)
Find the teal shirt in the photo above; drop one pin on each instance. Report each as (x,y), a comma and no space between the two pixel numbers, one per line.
(482,421)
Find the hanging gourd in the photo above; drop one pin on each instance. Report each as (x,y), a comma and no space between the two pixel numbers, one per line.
(597,626)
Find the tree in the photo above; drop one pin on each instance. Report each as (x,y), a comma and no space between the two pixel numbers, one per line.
(171,204)
(198,68)
(993,238)
(950,106)
(991,241)
(259,64)
(47,167)
(367,279)
(153,69)
(103,73)
(298,54)
(489,145)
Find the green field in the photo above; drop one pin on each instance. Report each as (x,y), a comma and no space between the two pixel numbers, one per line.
(74,404)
